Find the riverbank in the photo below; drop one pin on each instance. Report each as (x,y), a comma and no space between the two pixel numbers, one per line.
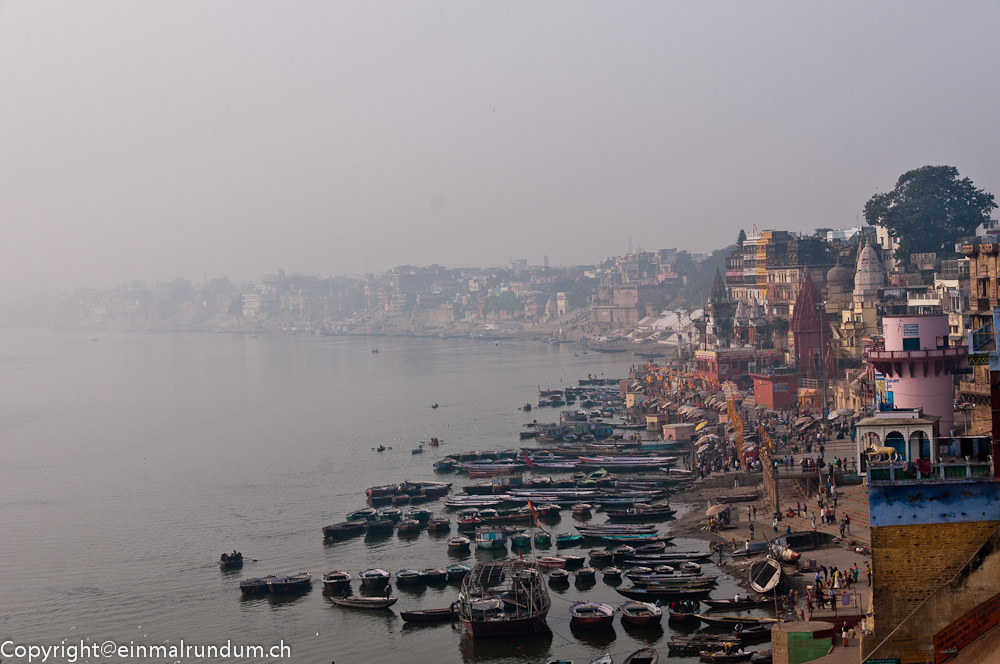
(841,553)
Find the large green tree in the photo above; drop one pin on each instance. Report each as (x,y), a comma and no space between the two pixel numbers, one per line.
(930,209)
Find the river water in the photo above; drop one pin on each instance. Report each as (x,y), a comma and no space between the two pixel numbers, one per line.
(131,461)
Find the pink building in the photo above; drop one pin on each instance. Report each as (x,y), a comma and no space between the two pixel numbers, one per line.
(918,364)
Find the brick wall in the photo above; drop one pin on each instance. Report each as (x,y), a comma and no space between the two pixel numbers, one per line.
(912,563)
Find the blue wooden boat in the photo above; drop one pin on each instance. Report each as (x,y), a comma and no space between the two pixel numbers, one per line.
(408,577)
(457,572)
(568,539)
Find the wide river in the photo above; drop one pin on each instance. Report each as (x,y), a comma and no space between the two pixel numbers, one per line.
(131,461)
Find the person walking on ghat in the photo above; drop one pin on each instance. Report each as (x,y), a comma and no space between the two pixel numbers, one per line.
(812,519)
(751,531)
(868,572)
(754,512)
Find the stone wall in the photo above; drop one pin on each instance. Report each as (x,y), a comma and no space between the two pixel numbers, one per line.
(926,577)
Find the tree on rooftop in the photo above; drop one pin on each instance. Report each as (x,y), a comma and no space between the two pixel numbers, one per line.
(929,210)
(741,237)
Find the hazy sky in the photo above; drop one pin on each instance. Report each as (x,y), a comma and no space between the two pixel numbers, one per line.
(153,139)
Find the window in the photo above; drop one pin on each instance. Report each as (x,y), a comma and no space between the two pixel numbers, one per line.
(912,343)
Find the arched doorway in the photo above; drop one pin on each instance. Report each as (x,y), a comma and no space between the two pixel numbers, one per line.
(895,440)
(920,446)
(866,441)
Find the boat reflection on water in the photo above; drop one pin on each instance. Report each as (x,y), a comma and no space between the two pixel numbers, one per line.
(596,638)
(535,648)
(650,634)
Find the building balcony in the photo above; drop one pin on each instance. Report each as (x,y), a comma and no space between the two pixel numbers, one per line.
(982,389)
(910,355)
(944,471)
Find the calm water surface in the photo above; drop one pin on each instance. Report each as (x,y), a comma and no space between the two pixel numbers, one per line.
(131,461)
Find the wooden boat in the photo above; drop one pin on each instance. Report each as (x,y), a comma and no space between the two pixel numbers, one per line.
(752,634)
(611,573)
(362,514)
(650,581)
(652,594)
(784,553)
(582,509)
(742,603)
(491,537)
(732,621)
(420,514)
(355,602)
(520,540)
(723,656)
(551,562)
(664,558)
(651,549)
(408,577)
(683,613)
(586,574)
(231,561)
(457,572)
(336,581)
(400,500)
(441,525)
(343,529)
(643,656)
(617,529)
(379,526)
(622,552)
(637,539)
(737,498)
(434,489)
(434,575)
(751,549)
(290,583)
(567,539)
(600,558)
(467,523)
(409,526)
(543,539)
(573,562)
(373,578)
(653,578)
(686,645)
(640,614)
(444,465)
(766,575)
(483,613)
(459,544)
(558,577)
(549,509)
(430,615)
(592,614)
(256,585)
(391,513)
(640,512)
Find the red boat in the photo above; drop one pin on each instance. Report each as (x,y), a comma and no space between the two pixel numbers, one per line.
(592,614)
